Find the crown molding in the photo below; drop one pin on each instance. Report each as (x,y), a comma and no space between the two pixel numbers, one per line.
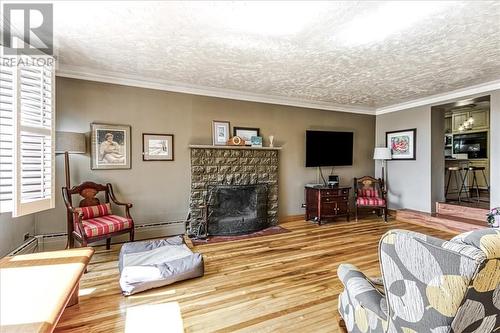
(440,98)
(82,73)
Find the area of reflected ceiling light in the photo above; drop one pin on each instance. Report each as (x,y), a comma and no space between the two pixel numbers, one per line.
(269,18)
(387,19)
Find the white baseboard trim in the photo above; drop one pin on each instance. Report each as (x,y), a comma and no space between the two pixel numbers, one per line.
(57,241)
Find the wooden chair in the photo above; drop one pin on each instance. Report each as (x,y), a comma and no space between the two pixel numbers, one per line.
(369,193)
(92,221)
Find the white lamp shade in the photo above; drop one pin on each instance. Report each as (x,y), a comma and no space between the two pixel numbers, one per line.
(70,142)
(382,153)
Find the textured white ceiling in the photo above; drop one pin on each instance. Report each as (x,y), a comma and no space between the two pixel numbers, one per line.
(289,50)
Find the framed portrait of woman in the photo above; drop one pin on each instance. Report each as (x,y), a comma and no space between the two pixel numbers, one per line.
(110,146)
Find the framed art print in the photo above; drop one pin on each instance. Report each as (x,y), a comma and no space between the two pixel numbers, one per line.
(246,133)
(157,147)
(403,144)
(110,146)
(220,132)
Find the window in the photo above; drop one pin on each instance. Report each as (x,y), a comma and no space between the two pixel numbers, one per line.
(26,136)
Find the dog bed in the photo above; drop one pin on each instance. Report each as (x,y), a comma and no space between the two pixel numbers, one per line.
(156,263)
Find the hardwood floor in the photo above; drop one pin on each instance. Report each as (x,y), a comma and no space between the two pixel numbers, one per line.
(285,282)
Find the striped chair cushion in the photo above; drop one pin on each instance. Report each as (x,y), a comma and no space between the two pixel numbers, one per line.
(91,212)
(368,193)
(365,201)
(105,224)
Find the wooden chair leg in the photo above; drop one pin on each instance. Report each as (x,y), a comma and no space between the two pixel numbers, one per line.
(385,214)
(83,243)
(108,243)
(356,213)
(132,234)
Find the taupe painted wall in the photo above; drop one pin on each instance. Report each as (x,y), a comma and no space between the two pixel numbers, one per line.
(419,184)
(495,148)
(12,231)
(437,158)
(409,182)
(160,190)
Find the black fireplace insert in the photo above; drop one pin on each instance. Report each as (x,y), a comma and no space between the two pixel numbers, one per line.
(236,209)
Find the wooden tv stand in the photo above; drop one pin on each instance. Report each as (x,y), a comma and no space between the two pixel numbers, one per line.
(323,202)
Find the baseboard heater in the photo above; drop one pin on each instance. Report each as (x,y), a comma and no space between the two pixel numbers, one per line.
(28,246)
(57,241)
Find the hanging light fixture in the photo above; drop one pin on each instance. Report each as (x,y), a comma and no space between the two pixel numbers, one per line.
(467,125)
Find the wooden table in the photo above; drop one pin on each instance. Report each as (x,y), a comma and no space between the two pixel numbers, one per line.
(36,288)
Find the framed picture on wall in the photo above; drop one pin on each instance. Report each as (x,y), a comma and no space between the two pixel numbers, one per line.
(220,132)
(246,133)
(157,147)
(110,146)
(403,144)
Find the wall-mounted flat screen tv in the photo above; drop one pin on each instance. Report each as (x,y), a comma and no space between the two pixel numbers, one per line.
(324,148)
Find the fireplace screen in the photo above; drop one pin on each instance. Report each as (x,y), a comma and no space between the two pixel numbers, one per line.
(236,209)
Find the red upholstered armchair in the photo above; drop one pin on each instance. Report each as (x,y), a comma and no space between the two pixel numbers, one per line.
(92,221)
(369,193)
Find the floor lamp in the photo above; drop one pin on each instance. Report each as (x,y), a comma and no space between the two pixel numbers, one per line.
(69,143)
(382,154)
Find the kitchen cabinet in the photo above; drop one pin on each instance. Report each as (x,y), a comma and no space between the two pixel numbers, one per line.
(448,127)
(481,120)
(458,119)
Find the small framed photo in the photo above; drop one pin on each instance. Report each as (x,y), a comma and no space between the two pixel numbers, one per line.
(246,133)
(110,146)
(220,132)
(403,144)
(256,141)
(157,147)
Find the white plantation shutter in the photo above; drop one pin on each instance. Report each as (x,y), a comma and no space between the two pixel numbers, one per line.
(7,110)
(28,148)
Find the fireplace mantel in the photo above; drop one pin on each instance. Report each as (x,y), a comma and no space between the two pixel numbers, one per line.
(231,147)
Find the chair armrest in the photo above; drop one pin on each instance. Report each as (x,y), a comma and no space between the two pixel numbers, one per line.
(77,218)
(487,240)
(113,198)
(363,289)
(126,204)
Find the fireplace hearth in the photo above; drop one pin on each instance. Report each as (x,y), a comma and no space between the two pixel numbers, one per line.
(236,209)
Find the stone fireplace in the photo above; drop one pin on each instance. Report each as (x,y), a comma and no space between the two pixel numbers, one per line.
(234,189)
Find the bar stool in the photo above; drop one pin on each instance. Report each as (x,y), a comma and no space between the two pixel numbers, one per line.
(475,184)
(455,172)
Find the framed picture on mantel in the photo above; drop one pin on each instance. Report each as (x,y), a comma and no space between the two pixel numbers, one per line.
(403,144)
(246,133)
(220,132)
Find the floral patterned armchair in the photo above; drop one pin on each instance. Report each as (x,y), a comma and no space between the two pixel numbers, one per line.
(428,285)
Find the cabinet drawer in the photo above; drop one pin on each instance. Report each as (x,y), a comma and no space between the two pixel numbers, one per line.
(334,199)
(329,199)
(334,192)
